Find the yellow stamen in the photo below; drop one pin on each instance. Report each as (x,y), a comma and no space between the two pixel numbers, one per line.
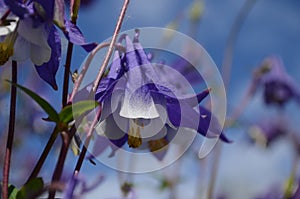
(6,47)
(155,145)
(134,135)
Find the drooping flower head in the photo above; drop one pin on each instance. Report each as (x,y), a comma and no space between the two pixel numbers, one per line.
(141,109)
(29,32)
(279,87)
(267,132)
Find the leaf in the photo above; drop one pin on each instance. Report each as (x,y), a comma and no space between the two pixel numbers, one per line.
(59,13)
(12,192)
(31,188)
(73,111)
(53,115)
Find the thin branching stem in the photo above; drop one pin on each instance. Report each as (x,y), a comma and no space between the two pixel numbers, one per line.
(226,71)
(11,131)
(87,142)
(111,46)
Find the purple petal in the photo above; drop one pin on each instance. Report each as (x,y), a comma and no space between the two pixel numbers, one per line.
(47,71)
(73,34)
(17,7)
(187,70)
(88,47)
(117,67)
(183,115)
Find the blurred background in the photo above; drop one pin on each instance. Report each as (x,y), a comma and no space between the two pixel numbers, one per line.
(251,166)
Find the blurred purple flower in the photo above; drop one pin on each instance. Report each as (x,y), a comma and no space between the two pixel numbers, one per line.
(268,131)
(279,87)
(31,34)
(139,107)
(77,186)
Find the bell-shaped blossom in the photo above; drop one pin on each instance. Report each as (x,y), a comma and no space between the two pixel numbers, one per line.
(141,109)
(29,32)
(279,86)
(266,132)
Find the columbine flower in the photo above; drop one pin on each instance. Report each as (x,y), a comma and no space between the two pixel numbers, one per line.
(279,87)
(77,186)
(267,132)
(30,33)
(141,109)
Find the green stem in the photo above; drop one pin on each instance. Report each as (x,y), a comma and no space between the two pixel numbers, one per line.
(44,155)
(11,130)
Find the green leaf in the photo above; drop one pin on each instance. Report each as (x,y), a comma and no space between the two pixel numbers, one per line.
(12,192)
(75,110)
(31,188)
(53,115)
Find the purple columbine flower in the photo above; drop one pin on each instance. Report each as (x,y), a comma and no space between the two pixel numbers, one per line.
(279,87)
(30,33)
(265,133)
(142,110)
(77,186)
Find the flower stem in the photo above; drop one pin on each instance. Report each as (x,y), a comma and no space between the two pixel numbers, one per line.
(87,142)
(233,34)
(67,74)
(66,139)
(87,64)
(75,5)
(44,155)
(226,70)
(112,44)
(11,130)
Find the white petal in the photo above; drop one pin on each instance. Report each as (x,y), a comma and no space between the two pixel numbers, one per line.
(138,108)
(138,102)
(21,50)
(113,127)
(37,36)
(39,55)
(4,30)
(152,128)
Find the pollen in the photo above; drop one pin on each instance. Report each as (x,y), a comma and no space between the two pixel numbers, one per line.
(156,145)
(134,135)
(6,48)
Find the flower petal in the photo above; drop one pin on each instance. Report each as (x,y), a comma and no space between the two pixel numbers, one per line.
(88,47)
(35,35)
(39,55)
(137,103)
(5,30)
(47,71)
(182,115)
(17,7)
(21,50)
(113,127)
(73,34)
